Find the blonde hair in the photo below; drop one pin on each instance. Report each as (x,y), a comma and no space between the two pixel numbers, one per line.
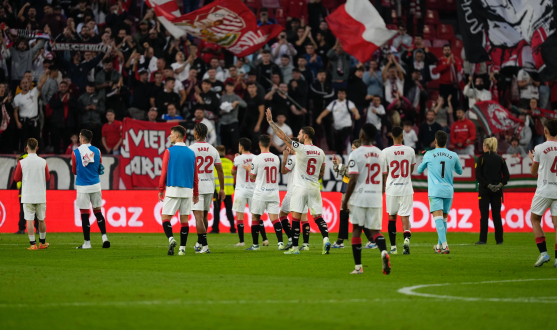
(357,143)
(491,143)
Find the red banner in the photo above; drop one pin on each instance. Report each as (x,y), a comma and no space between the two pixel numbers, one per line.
(142,149)
(140,212)
(494,118)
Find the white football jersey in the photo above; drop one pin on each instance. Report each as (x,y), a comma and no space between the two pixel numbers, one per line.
(369,163)
(206,157)
(546,155)
(266,169)
(398,161)
(244,185)
(290,166)
(309,159)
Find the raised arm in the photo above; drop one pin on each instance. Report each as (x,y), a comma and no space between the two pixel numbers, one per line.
(276,129)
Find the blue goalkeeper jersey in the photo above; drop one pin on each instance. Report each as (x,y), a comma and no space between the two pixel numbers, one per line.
(440,164)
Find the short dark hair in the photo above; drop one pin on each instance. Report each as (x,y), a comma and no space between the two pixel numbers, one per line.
(514,138)
(32,144)
(370,131)
(295,139)
(341,89)
(321,71)
(296,70)
(207,81)
(407,123)
(309,131)
(229,83)
(180,130)
(201,130)
(441,138)
(447,45)
(221,149)
(285,56)
(397,131)
(107,60)
(110,110)
(245,143)
(551,126)
(266,51)
(87,134)
(265,140)
(170,79)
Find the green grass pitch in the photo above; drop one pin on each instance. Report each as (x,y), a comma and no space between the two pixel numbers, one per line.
(135,285)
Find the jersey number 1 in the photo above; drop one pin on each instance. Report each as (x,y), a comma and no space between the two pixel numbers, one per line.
(443,169)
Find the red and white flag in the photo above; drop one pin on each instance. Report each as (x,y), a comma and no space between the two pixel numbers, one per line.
(228,23)
(359,28)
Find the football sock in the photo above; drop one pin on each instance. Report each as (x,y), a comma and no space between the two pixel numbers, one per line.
(295,232)
(32,239)
(262,230)
(286,226)
(305,232)
(42,237)
(255,232)
(101,222)
(357,250)
(184,231)
(555,251)
(368,235)
(322,227)
(278,230)
(241,230)
(202,239)
(86,226)
(392,232)
(407,234)
(343,226)
(540,242)
(440,231)
(167,228)
(446,224)
(379,239)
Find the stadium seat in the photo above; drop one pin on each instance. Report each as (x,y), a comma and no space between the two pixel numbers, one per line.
(457,51)
(433,85)
(279,16)
(429,103)
(429,32)
(437,51)
(254,4)
(449,5)
(432,17)
(445,31)
(457,43)
(270,4)
(392,27)
(434,4)
(427,43)
(439,42)
(432,94)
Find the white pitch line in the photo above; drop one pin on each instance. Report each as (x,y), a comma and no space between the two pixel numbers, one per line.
(410,291)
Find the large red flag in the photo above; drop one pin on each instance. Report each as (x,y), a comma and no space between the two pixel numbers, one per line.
(494,118)
(359,28)
(228,23)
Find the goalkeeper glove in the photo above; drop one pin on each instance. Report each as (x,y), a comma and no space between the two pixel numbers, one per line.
(101,169)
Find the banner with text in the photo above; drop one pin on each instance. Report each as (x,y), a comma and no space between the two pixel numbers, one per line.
(138,211)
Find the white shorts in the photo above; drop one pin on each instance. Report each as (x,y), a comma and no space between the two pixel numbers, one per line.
(240,204)
(302,198)
(368,217)
(258,207)
(401,205)
(285,206)
(541,204)
(172,204)
(30,210)
(204,204)
(85,200)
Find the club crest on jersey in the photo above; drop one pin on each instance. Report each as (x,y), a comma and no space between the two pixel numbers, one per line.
(252,166)
(295,144)
(352,163)
(289,161)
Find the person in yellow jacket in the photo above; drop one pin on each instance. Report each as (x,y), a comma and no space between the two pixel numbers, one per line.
(227,166)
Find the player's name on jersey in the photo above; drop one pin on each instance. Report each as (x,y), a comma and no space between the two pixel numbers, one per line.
(436,154)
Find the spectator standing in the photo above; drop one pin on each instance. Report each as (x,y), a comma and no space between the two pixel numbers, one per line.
(112,133)
(277,145)
(253,116)
(410,137)
(181,68)
(306,73)
(448,67)
(524,132)
(171,114)
(528,87)
(393,79)
(64,117)
(316,13)
(463,134)
(105,79)
(443,113)
(22,59)
(207,99)
(402,41)
(91,108)
(340,66)
(357,93)
(426,135)
(238,80)
(141,93)
(282,48)
(77,70)
(199,116)
(373,79)
(167,96)
(321,94)
(26,112)
(415,91)
(286,69)
(266,69)
(375,111)
(476,93)
(230,129)
(515,149)
(314,62)
(197,62)
(280,103)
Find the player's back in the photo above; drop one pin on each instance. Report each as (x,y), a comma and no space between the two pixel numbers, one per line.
(206,156)
(399,160)
(369,163)
(440,164)
(291,166)
(266,168)
(309,160)
(244,184)
(546,155)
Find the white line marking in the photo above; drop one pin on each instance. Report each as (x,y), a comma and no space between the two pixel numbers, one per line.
(410,291)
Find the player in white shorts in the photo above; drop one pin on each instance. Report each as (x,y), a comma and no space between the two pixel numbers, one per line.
(265,171)
(310,167)
(399,162)
(244,185)
(364,194)
(207,160)
(544,166)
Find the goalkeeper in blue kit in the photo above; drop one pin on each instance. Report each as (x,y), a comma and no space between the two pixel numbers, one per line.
(440,164)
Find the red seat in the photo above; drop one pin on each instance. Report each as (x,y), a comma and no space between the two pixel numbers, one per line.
(429,104)
(445,31)
(457,43)
(392,27)
(438,52)
(254,4)
(434,4)
(449,5)
(279,16)
(427,43)
(432,17)
(439,42)
(429,32)
(457,51)
(432,94)
(329,4)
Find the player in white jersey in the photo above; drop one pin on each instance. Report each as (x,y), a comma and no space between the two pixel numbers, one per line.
(264,169)
(365,196)
(544,166)
(207,159)
(244,185)
(310,167)
(399,162)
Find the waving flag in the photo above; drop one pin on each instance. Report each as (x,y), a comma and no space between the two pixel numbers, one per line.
(359,29)
(228,23)
(494,118)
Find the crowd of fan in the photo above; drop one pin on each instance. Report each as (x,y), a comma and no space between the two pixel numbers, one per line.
(303,75)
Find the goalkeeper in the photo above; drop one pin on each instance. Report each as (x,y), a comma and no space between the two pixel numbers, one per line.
(492,174)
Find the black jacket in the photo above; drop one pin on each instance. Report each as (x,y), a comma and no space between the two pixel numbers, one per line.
(491,169)
(57,106)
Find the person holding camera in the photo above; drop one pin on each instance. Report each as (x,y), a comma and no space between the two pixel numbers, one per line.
(492,174)
(282,47)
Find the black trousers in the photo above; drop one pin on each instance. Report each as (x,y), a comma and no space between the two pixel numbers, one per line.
(229,136)
(340,139)
(216,212)
(495,200)
(31,129)
(60,138)
(447,89)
